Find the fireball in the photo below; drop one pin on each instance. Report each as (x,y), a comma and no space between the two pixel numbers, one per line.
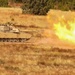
(63,25)
(64,33)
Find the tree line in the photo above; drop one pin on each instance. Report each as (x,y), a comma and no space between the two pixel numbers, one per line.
(41,7)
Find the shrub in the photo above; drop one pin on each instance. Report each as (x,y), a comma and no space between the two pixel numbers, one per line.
(41,7)
(35,6)
(3,3)
(19,1)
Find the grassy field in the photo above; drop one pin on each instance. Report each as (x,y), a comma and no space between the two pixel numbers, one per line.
(29,59)
(43,54)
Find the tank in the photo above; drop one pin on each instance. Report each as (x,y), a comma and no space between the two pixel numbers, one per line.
(8,33)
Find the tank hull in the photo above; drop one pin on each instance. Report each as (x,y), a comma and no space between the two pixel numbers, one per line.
(14,37)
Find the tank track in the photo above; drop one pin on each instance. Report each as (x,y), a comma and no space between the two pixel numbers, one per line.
(13,39)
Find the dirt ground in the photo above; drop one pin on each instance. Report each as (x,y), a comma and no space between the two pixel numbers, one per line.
(43,54)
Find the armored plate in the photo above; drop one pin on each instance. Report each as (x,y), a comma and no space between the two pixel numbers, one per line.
(14,35)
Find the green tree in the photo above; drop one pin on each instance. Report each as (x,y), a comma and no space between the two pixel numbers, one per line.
(41,7)
(35,6)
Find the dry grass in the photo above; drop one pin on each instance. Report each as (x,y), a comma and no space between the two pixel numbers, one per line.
(15,15)
(27,20)
(10,10)
(28,59)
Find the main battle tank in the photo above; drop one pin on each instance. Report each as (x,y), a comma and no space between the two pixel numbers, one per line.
(8,33)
